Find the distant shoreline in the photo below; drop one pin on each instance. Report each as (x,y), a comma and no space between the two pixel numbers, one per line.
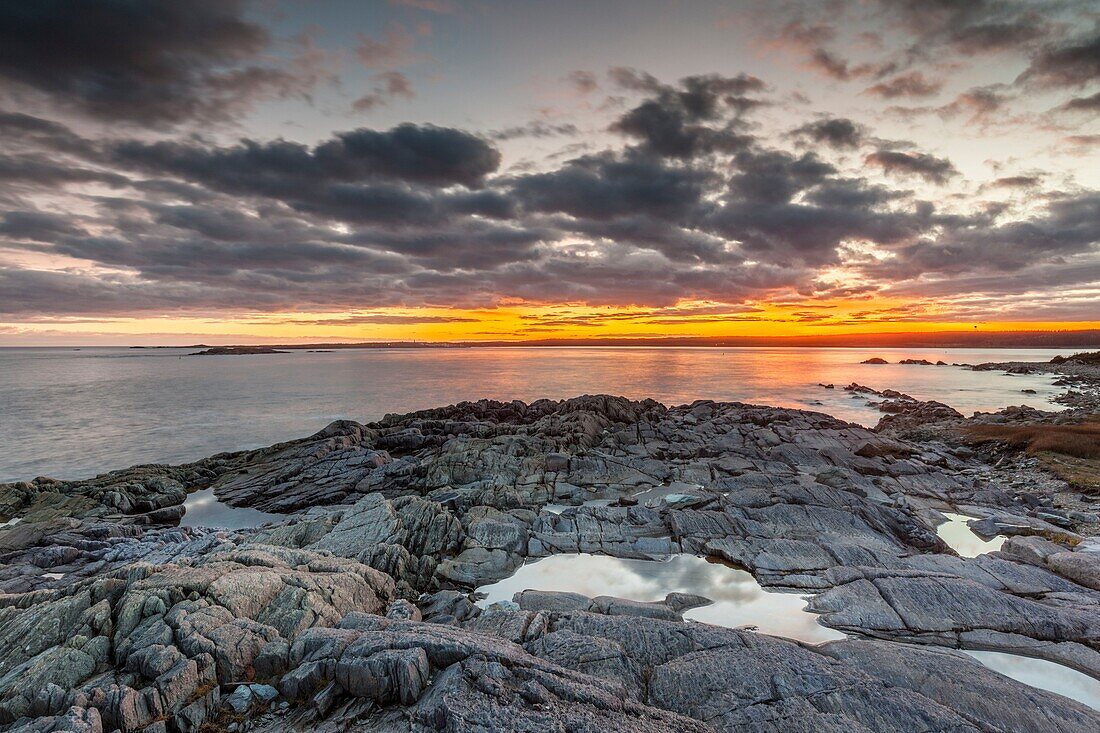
(1082,339)
(1075,339)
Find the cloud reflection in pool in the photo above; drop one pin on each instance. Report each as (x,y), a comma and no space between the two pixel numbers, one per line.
(206,510)
(1044,675)
(738,598)
(958,535)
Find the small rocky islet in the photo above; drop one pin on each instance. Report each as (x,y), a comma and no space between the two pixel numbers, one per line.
(356,609)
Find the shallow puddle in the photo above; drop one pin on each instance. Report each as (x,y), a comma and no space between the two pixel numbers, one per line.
(738,598)
(1044,675)
(206,510)
(962,539)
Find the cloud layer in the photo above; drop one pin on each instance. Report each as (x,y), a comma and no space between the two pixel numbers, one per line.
(669,191)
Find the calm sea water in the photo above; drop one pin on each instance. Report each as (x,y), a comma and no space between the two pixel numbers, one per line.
(73,414)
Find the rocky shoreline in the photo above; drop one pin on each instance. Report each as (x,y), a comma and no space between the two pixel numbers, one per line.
(357,610)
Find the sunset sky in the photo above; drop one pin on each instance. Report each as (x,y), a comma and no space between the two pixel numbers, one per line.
(284,170)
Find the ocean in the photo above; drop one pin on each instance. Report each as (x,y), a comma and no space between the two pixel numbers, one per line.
(72,414)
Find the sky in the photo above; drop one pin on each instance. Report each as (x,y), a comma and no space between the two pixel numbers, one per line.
(223,171)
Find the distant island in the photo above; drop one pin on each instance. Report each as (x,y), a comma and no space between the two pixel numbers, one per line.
(237,351)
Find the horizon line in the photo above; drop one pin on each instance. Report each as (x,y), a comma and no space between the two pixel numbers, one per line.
(1035,338)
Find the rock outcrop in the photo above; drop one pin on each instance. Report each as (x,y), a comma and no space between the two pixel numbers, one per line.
(356,613)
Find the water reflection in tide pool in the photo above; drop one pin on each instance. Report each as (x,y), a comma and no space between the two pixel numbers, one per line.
(206,510)
(738,598)
(1044,675)
(958,535)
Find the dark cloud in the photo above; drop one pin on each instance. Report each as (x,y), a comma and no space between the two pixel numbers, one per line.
(634,79)
(215,221)
(466,246)
(1083,104)
(377,319)
(989,36)
(22,129)
(978,103)
(928,167)
(972,27)
(1069,226)
(1071,64)
(210,261)
(150,63)
(929,36)
(775,176)
(1040,279)
(387,86)
(43,172)
(1017,182)
(911,84)
(697,203)
(698,93)
(803,233)
(671,123)
(809,38)
(37,226)
(664,129)
(416,154)
(379,203)
(29,293)
(836,132)
(536,129)
(852,193)
(829,64)
(673,240)
(605,187)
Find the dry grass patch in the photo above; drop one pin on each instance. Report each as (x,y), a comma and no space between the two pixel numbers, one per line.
(1079,441)
(1071,452)
(1082,474)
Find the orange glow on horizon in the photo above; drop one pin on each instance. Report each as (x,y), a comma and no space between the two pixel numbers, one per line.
(521,323)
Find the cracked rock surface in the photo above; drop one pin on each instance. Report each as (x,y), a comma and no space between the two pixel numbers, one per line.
(355,613)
